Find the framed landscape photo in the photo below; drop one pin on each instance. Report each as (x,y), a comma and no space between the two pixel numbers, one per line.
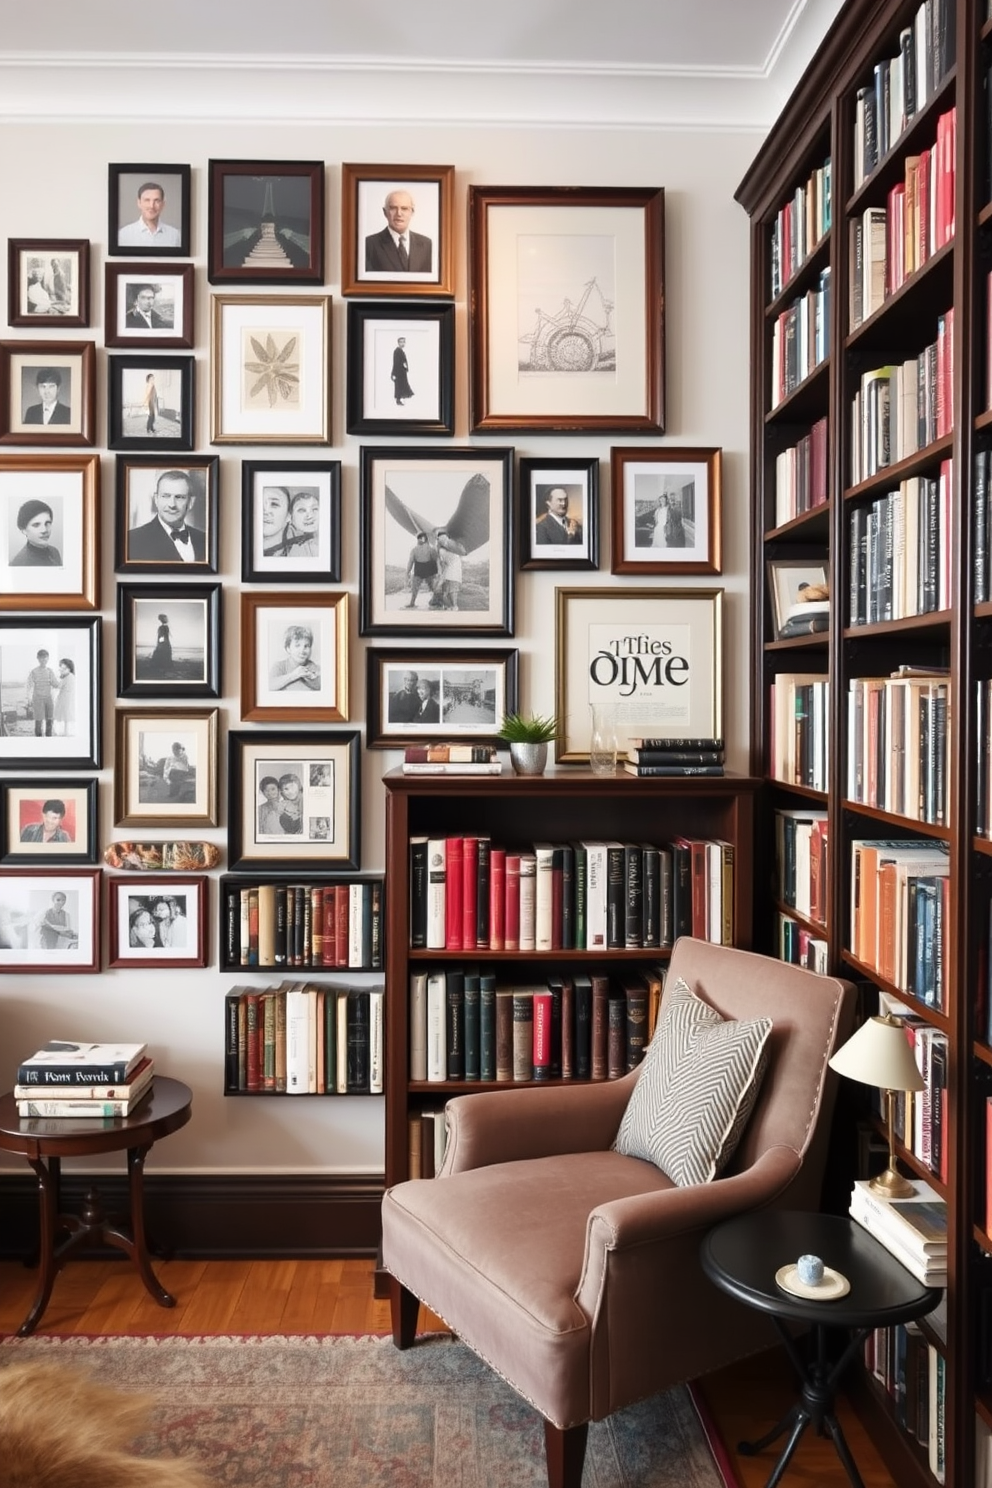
(265,222)
(50,692)
(666,510)
(653,656)
(168,640)
(44,821)
(47,392)
(396,229)
(157,921)
(150,403)
(270,364)
(799,593)
(49,506)
(50,919)
(48,281)
(567,330)
(149,211)
(290,521)
(149,305)
(558,518)
(294,657)
(165,770)
(436,542)
(294,800)
(401,368)
(166,517)
(418,696)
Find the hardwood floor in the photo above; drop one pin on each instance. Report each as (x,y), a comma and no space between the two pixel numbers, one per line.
(93,1297)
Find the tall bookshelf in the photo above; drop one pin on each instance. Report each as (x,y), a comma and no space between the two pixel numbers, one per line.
(932,292)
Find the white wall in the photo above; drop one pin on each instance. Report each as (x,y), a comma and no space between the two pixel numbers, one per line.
(53,183)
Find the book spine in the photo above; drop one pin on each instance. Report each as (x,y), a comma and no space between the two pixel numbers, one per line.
(454,887)
(523,1035)
(600,1021)
(473,1026)
(418,1025)
(511,932)
(497,898)
(482,901)
(470,892)
(568,941)
(528,902)
(650,899)
(436,893)
(616,1035)
(418,892)
(358,1040)
(504,1034)
(280,950)
(487,1026)
(455,1023)
(636,1027)
(71,1074)
(582,994)
(542,1036)
(95,1108)
(543,897)
(437,1033)
(377,922)
(377,1039)
(232,928)
(633,861)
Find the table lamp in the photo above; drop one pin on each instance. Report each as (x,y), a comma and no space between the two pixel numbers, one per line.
(879,1054)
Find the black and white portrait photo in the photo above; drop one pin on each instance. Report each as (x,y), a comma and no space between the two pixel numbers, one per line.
(49,921)
(47,681)
(42,920)
(401,368)
(149,305)
(559,513)
(167,766)
(168,640)
(294,798)
(166,515)
(666,510)
(414,695)
(291,521)
(48,282)
(149,210)
(166,762)
(157,921)
(49,392)
(151,403)
(398,230)
(46,395)
(43,820)
(294,656)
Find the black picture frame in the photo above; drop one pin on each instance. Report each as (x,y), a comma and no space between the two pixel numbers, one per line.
(244,198)
(139,548)
(459,689)
(56,293)
(22,802)
(422,334)
(290,561)
(163,290)
(73,637)
(168,640)
(127,377)
(537,479)
(123,186)
(252,756)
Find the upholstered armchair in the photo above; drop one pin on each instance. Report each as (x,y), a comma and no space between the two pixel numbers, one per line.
(574,1270)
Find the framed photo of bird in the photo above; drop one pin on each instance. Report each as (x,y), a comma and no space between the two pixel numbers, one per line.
(270,358)
(265,222)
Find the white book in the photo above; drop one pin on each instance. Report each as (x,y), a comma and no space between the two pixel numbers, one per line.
(543,857)
(313,1038)
(931,1273)
(714,892)
(528,902)
(919,1223)
(596,856)
(341,1050)
(355,923)
(437,851)
(376,1038)
(418,1025)
(297,1041)
(437,1040)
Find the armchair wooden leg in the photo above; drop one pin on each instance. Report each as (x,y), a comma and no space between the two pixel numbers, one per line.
(404,1309)
(565,1449)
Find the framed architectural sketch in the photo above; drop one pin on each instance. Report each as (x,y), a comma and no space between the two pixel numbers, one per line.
(270,364)
(290,521)
(149,211)
(166,515)
(294,800)
(168,640)
(45,821)
(157,921)
(401,368)
(396,230)
(265,222)
(49,506)
(419,695)
(47,393)
(50,919)
(48,282)
(294,657)
(165,767)
(558,518)
(50,692)
(666,510)
(149,305)
(150,402)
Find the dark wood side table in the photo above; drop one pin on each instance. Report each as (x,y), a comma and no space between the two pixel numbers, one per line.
(742,1257)
(45,1141)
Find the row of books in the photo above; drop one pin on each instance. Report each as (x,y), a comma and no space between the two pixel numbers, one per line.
(903,84)
(468,893)
(982,515)
(300,925)
(799,705)
(800,946)
(86,1080)
(919,1117)
(897,744)
(799,226)
(901,408)
(913,1373)
(801,475)
(586,1025)
(675,760)
(899,909)
(800,339)
(914,1228)
(802,861)
(983,777)
(901,552)
(304,1038)
(427,1139)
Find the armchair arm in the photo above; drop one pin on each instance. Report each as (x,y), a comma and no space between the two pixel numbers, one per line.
(514,1125)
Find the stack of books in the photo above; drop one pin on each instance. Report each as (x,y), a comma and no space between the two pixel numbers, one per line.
(651,758)
(913,1229)
(451,759)
(78,1079)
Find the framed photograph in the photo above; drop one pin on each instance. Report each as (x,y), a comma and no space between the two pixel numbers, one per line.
(414,697)
(653,656)
(559,513)
(799,593)
(436,542)
(157,921)
(165,767)
(294,657)
(168,640)
(47,392)
(401,369)
(166,519)
(265,222)
(50,692)
(294,800)
(49,506)
(149,305)
(149,211)
(50,921)
(396,229)
(567,328)
(666,510)
(291,521)
(48,281)
(150,402)
(270,363)
(46,821)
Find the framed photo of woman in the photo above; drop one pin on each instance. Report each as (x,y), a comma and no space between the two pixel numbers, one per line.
(150,402)
(168,640)
(666,511)
(48,532)
(291,521)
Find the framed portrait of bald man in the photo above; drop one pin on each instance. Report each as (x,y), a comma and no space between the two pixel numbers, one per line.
(396,224)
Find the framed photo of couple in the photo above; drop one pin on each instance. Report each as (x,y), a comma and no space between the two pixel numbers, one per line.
(294,800)
(50,692)
(157,921)
(48,281)
(168,640)
(666,510)
(416,696)
(49,507)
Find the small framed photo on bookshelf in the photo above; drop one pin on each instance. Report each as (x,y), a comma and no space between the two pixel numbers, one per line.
(48,532)
(47,393)
(799,594)
(149,211)
(50,920)
(48,282)
(666,511)
(157,921)
(47,821)
(166,767)
(396,230)
(149,305)
(150,402)
(418,696)
(559,513)
(168,640)
(294,657)
(50,692)
(265,222)
(166,517)
(291,521)
(401,368)
(295,799)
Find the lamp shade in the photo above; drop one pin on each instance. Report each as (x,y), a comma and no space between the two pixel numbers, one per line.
(879,1054)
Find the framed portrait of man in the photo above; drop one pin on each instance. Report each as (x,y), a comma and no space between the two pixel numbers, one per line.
(166,516)
(150,402)
(47,392)
(559,513)
(47,820)
(396,229)
(149,305)
(149,211)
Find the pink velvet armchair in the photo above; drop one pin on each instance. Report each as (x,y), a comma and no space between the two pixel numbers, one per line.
(574,1271)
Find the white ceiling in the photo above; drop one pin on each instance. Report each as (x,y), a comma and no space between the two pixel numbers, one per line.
(702,63)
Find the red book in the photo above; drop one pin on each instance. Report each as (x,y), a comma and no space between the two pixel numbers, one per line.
(341,927)
(497,898)
(317,926)
(454,855)
(329,939)
(542,1035)
(511,921)
(470,891)
(699,883)
(253,1041)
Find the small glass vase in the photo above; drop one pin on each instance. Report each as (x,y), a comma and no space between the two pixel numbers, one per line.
(529,759)
(603,740)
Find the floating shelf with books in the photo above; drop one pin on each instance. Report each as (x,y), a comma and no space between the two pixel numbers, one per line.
(312,923)
(312,1037)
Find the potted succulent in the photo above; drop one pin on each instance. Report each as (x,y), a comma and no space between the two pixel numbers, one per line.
(528,737)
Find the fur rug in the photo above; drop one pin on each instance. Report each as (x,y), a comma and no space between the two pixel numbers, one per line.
(61,1429)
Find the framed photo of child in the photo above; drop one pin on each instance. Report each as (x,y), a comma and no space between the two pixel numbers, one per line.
(294,657)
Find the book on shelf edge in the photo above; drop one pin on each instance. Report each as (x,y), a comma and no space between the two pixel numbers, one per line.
(94,1110)
(139,1079)
(675,743)
(63,1062)
(492,767)
(649,772)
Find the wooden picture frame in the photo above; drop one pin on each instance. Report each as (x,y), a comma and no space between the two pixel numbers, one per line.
(169,642)
(165,767)
(50,920)
(370,263)
(666,506)
(157,920)
(793,614)
(654,656)
(294,657)
(291,521)
(415,696)
(157,497)
(313,819)
(401,368)
(462,495)
(47,380)
(265,221)
(50,722)
(558,517)
(45,821)
(149,305)
(150,402)
(149,211)
(50,506)
(567,296)
(48,282)
(270,361)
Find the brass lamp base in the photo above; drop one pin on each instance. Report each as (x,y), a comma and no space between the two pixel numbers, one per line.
(892,1185)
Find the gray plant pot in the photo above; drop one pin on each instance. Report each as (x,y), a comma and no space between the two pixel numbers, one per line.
(529,759)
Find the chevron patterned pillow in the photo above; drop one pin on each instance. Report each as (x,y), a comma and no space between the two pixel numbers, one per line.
(698,1084)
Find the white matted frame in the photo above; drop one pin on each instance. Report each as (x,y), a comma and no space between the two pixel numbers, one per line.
(666,510)
(157,921)
(270,362)
(166,767)
(49,508)
(50,921)
(294,657)
(314,815)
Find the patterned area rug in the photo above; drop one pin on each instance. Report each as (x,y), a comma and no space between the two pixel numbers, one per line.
(340,1412)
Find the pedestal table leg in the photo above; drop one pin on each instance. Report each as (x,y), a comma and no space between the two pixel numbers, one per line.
(48,1211)
(135,1172)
